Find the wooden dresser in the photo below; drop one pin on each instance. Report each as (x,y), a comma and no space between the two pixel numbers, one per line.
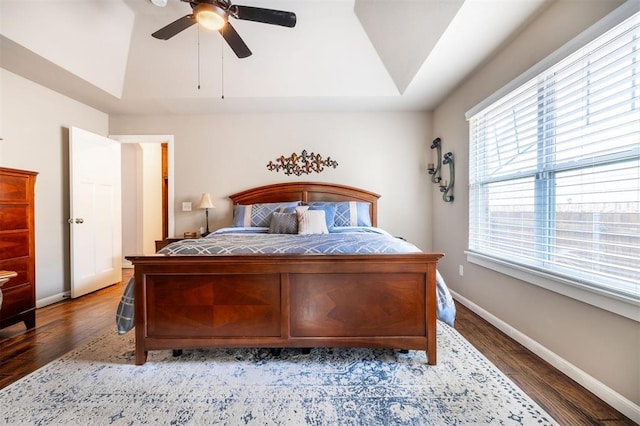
(17,246)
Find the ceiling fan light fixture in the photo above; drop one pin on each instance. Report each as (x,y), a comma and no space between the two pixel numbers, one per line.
(214,15)
(210,16)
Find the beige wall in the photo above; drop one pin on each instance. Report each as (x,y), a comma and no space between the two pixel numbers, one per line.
(223,154)
(131,234)
(602,344)
(34,126)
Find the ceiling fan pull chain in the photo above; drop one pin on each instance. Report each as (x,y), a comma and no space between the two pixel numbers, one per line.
(198,58)
(222,64)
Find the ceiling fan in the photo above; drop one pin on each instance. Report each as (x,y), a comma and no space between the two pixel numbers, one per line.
(214,15)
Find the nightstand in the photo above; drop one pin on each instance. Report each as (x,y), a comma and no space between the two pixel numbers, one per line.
(161,243)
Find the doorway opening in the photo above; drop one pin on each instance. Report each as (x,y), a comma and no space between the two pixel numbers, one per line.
(147,192)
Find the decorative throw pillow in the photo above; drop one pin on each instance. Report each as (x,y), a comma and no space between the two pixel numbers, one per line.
(259,214)
(329,213)
(283,223)
(311,221)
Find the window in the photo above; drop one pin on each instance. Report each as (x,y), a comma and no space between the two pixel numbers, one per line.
(555,170)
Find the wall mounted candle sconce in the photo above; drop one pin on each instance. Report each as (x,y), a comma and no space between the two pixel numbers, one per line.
(434,170)
(447,188)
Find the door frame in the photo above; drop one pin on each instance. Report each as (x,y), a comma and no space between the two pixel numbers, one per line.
(169,140)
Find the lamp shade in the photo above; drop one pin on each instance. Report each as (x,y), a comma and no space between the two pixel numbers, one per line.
(205,201)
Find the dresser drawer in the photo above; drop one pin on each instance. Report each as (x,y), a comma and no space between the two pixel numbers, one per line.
(14,217)
(16,300)
(17,246)
(21,266)
(14,244)
(14,188)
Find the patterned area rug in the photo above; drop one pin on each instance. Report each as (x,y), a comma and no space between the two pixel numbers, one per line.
(99,384)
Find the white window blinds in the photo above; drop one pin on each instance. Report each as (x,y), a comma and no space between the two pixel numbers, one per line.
(555,169)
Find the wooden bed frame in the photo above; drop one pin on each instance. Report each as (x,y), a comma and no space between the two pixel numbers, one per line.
(280,300)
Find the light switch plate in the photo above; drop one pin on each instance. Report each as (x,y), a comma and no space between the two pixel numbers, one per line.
(186,206)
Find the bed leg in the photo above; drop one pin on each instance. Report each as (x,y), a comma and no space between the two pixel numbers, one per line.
(306,351)
(177,352)
(431,358)
(275,352)
(141,357)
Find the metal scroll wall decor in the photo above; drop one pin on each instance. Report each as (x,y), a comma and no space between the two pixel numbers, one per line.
(446,187)
(301,164)
(434,170)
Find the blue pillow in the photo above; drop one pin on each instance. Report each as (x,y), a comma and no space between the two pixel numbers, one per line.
(258,214)
(348,213)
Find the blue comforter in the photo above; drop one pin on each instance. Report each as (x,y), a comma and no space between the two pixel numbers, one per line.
(347,240)
(356,240)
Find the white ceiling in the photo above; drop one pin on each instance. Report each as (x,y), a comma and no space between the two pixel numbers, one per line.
(391,55)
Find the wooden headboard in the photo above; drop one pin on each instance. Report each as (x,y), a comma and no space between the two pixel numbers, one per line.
(306,192)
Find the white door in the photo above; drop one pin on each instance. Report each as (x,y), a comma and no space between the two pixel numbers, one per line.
(95,213)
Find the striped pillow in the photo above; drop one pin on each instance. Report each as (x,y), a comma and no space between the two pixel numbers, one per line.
(349,213)
(259,214)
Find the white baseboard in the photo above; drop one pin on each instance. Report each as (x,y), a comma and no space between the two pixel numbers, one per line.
(40,303)
(602,391)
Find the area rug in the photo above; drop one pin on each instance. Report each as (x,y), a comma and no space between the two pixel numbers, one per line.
(99,384)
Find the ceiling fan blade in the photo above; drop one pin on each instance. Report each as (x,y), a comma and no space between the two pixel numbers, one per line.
(165,33)
(266,16)
(234,41)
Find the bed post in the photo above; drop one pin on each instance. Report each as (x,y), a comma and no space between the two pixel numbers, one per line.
(432,357)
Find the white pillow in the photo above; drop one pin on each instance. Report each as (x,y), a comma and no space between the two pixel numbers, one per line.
(311,221)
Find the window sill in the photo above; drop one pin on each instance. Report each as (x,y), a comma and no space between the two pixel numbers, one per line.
(608,301)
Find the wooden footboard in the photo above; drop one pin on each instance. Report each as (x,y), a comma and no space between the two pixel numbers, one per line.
(279,301)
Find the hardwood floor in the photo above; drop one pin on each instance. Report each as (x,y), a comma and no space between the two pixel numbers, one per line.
(71,323)
(565,400)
